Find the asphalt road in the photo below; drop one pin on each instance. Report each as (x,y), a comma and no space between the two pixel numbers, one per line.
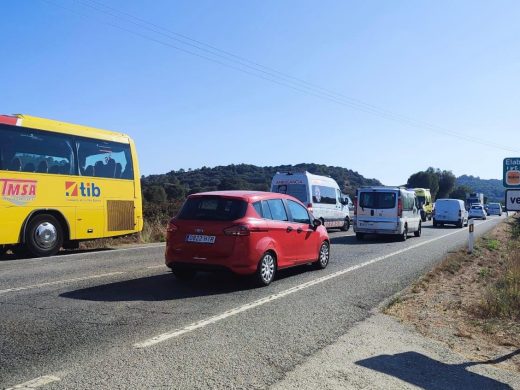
(119,319)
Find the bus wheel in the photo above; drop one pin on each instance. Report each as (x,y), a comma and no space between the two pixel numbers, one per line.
(44,236)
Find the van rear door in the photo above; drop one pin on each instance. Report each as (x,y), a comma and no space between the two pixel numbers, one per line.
(377,209)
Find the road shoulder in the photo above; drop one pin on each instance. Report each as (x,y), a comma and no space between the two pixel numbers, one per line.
(381,352)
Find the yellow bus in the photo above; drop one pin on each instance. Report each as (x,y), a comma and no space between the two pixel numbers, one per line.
(62,183)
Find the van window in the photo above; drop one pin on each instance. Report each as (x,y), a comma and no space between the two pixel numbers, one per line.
(408,202)
(324,195)
(377,200)
(299,191)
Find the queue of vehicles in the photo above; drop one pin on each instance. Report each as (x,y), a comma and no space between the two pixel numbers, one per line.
(64,183)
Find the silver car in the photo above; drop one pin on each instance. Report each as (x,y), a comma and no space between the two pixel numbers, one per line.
(477,211)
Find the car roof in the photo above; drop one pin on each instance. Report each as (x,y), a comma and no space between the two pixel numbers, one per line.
(245,195)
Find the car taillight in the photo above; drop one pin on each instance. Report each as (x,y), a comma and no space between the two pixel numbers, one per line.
(237,230)
(399,208)
(309,207)
(171,227)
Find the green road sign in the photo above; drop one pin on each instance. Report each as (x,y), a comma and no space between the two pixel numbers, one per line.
(511,178)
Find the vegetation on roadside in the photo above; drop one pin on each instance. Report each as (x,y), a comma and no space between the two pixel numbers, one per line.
(502,298)
(471,301)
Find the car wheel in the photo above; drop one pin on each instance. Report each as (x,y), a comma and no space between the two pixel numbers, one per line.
(323,256)
(346,225)
(419,231)
(461,223)
(435,224)
(43,236)
(404,235)
(360,236)
(430,218)
(184,274)
(266,269)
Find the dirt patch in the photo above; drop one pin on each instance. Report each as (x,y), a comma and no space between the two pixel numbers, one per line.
(451,303)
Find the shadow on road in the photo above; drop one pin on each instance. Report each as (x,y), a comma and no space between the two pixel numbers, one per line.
(369,239)
(21,256)
(166,287)
(430,374)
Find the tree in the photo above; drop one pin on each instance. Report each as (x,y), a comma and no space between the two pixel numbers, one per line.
(155,194)
(425,179)
(460,192)
(446,183)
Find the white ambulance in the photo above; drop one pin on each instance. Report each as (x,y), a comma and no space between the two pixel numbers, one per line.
(321,195)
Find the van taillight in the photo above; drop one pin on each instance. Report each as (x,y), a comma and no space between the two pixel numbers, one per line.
(355,205)
(399,208)
(460,213)
(237,230)
(171,227)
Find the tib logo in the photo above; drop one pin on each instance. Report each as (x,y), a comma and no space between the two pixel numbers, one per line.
(89,190)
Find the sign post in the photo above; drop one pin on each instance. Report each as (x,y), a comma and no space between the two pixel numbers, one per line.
(511,176)
(471,238)
(512,200)
(511,181)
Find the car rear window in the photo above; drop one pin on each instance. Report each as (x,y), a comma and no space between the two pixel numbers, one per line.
(212,208)
(377,200)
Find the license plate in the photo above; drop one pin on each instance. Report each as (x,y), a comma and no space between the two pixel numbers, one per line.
(365,224)
(200,238)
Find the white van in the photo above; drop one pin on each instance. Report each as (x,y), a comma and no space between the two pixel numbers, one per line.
(321,195)
(450,212)
(387,210)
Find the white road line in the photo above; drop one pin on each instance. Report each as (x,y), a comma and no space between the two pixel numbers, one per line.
(59,282)
(90,253)
(35,383)
(248,306)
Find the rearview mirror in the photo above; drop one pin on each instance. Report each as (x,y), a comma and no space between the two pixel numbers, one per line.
(316,222)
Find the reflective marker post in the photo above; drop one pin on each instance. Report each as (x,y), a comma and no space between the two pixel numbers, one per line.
(471,238)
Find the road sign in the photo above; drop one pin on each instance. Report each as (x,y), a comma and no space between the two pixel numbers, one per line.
(511,177)
(513,200)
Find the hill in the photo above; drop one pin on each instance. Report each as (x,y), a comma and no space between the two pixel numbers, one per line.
(491,188)
(163,194)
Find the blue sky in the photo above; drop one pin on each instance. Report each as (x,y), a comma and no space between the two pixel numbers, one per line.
(454,65)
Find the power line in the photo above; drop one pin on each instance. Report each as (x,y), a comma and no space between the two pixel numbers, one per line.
(238,63)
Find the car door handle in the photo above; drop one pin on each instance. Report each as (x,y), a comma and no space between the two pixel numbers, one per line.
(289,229)
(299,230)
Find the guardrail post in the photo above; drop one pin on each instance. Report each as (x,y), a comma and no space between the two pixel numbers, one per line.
(471,238)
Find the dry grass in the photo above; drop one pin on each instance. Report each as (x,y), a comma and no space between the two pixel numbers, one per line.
(153,231)
(471,302)
(502,298)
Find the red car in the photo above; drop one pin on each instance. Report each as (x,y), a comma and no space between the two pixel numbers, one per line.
(247,232)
